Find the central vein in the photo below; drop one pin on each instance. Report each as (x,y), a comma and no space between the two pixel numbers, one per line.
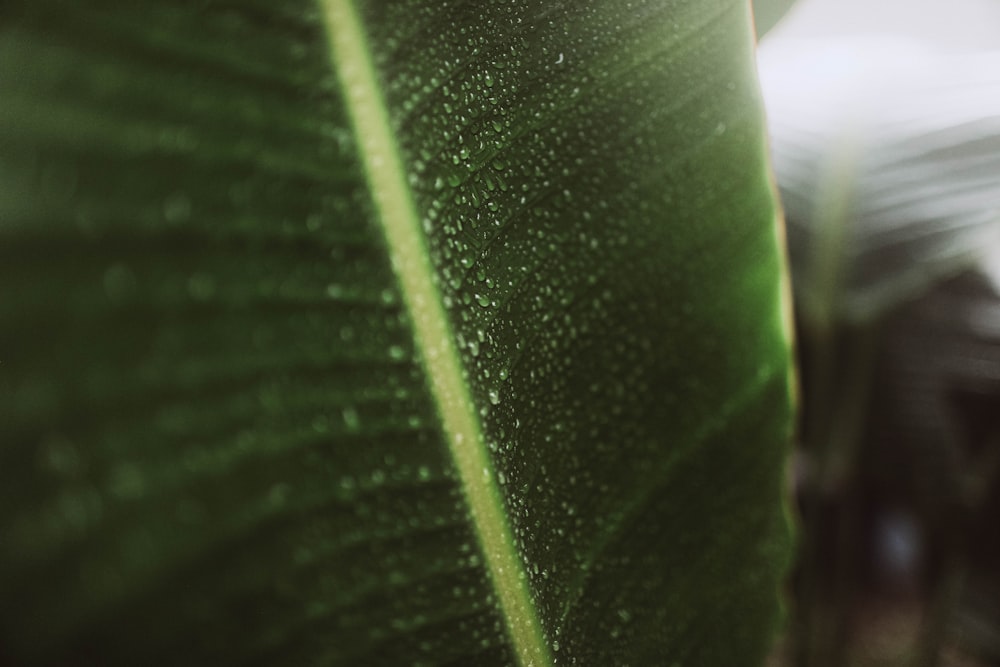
(401,225)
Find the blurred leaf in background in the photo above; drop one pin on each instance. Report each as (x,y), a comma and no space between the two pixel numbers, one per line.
(885,134)
(379,333)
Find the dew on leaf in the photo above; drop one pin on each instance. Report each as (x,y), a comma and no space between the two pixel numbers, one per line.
(320,424)
(177,207)
(127,481)
(351,418)
(119,283)
(201,286)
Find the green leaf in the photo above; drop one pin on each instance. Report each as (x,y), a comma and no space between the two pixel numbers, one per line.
(388,333)
(767,14)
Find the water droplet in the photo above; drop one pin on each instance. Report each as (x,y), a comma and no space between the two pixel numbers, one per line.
(278,495)
(60,455)
(177,207)
(351,419)
(494,397)
(127,481)
(119,283)
(201,286)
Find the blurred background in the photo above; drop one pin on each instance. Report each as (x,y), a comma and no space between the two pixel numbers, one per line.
(884,118)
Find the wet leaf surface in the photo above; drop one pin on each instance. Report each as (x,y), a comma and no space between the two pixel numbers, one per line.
(455,338)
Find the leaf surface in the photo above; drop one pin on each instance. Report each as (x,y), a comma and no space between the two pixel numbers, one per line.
(388,333)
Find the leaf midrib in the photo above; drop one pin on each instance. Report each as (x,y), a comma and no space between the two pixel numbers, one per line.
(352,61)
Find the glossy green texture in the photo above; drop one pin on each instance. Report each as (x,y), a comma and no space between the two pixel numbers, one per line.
(218,439)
